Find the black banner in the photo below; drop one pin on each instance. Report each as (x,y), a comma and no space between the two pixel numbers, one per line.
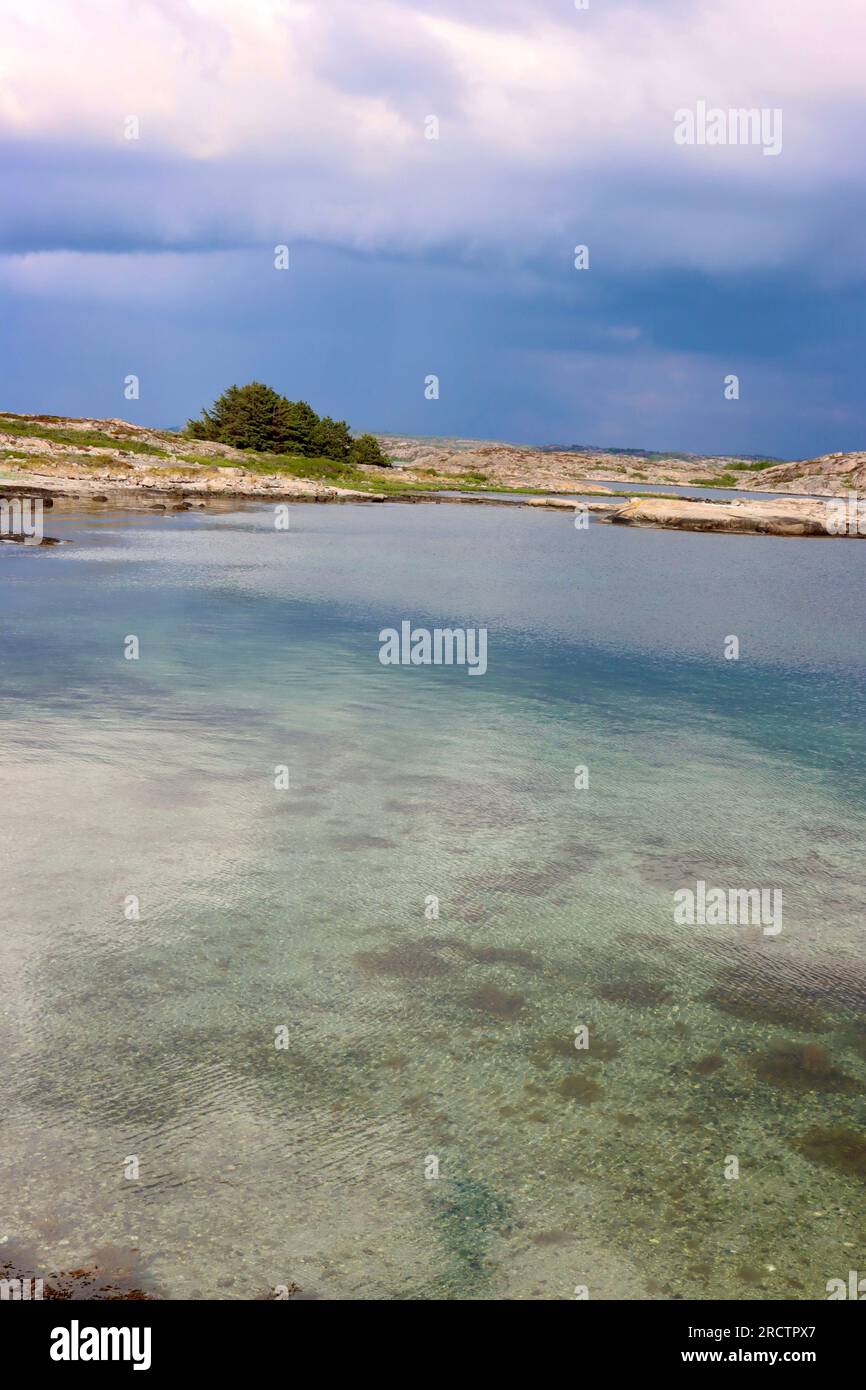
(153,1338)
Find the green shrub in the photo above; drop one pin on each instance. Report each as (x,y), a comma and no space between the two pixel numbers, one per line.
(257,417)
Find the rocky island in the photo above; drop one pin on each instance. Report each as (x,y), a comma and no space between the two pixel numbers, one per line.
(113,462)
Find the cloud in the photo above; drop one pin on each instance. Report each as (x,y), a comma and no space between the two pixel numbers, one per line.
(302,122)
(275,120)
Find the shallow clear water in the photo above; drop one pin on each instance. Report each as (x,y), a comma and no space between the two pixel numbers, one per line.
(411,1039)
(711,494)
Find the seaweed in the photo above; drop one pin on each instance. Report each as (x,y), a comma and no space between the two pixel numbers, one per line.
(643,994)
(511,955)
(112,1274)
(410,960)
(708,1065)
(836,1147)
(801,1067)
(468,1215)
(495,1001)
(582,1088)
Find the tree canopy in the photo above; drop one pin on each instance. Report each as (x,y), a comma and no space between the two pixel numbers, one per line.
(365,451)
(257,417)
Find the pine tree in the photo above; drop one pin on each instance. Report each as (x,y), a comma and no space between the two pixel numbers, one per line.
(301,423)
(367,454)
(332,439)
(247,417)
(257,417)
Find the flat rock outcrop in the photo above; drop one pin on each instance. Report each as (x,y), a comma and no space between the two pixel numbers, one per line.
(743,516)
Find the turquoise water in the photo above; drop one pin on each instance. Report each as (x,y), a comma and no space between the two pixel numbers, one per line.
(412,1038)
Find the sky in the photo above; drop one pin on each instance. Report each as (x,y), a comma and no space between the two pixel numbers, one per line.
(431,168)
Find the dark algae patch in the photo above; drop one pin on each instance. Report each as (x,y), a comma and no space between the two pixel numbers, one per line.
(563,1045)
(801,1067)
(581,1088)
(490,1000)
(469,1215)
(795,993)
(110,1275)
(836,1147)
(505,955)
(641,994)
(707,1066)
(763,1002)
(407,961)
(360,841)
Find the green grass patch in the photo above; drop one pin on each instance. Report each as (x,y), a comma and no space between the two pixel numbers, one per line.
(319,470)
(332,473)
(81,438)
(473,478)
(723,480)
(757,467)
(210,460)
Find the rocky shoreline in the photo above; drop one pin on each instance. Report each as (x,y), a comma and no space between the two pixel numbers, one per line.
(795,517)
(112,463)
(558,470)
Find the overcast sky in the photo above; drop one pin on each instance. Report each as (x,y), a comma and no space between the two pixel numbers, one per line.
(270,122)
